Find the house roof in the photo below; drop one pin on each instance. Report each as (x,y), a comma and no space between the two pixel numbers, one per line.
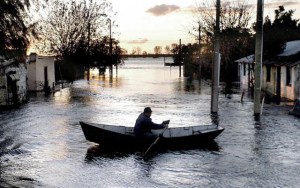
(248,59)
(6,63)
(278,63)
(292,48)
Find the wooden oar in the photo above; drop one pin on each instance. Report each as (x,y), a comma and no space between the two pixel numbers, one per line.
(156,140)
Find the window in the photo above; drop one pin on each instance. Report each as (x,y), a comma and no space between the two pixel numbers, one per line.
(288,75)
(268,73)
(244,65)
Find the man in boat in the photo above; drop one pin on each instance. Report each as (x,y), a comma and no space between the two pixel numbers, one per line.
(144,124)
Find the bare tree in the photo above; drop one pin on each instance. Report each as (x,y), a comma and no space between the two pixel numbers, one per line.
(139,50)
(67,24)
(236,39)
(157,50)
(174,46)
(234,14)
(133,51)
(167,49)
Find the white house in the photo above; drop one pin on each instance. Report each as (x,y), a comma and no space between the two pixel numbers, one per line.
(246,72)
(41,73)
(13,85)
(281,75)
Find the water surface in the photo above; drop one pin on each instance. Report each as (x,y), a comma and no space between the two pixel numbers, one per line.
(42,145)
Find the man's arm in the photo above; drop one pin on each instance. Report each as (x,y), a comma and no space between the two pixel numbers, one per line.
(156,126)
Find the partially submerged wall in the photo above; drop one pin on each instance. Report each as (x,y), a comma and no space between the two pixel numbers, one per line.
(13,84)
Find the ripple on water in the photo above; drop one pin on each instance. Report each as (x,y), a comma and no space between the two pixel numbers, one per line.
(42,145)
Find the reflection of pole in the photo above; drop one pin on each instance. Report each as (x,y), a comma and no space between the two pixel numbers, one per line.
(258,58)
(116,47)
(110,49)
(216,65)
(89,50)
(199,68)
(180,57)
(215,119)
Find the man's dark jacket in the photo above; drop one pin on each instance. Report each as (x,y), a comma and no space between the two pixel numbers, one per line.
(144,124)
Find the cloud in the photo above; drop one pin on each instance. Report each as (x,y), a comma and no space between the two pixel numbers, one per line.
(281,3)
(138,41)
(189,9)
(161,10)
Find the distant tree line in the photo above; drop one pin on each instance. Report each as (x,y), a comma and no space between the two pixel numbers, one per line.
(158,50)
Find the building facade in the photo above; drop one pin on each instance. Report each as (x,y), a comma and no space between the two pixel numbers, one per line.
(13,83)
(280,76)
(282,79)
(41,73)
(246,72)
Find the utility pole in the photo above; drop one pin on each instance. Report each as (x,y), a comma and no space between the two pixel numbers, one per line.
(180,56)
(258,58)
(199,60)
(216,65)
(110,49)
(116,48)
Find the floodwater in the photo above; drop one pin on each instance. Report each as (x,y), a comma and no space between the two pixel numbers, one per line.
(42,145)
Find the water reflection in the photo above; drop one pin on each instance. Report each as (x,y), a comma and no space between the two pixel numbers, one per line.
(96,151)
(86,91)
(215,118)
(146,166)
(104,81)
(62,97)
(264,156)
(42,144)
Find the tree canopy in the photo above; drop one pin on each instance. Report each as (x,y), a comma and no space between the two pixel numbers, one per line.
(66,24)
(283,29)
(15,29)
(77,30)
(236,39)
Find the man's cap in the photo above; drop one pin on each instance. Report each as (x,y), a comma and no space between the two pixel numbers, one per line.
(147,110)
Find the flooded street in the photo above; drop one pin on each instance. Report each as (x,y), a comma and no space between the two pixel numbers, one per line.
(42,144)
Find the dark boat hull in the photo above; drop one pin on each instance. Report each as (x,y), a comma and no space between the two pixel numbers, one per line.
(122,139)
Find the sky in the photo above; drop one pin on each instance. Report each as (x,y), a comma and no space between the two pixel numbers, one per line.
(149,23)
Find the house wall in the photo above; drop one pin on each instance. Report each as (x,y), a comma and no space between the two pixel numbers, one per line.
(3,92)
(287,91)
(243,78)
(291,92)
(21,74)
(297,82)
(270,86)
(36,73)
(31,70)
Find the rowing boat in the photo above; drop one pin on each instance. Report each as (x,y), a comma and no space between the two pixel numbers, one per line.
(122,136)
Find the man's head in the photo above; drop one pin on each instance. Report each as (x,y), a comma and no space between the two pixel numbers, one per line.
(147,111)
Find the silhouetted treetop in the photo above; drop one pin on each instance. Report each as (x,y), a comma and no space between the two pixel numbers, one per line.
(15,26)
(283,29)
